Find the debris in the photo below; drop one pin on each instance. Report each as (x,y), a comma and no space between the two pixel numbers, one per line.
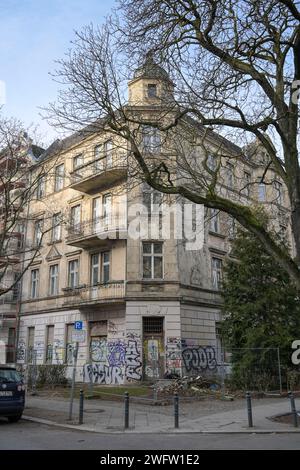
(191,386)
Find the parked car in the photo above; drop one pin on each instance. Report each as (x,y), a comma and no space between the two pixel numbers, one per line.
(12,393)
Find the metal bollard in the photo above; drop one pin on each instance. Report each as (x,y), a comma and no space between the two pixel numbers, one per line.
(176,410)
(81,400)
(293,409)
(126,401)
(249,409)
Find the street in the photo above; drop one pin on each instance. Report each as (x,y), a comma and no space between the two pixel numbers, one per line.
(32,436)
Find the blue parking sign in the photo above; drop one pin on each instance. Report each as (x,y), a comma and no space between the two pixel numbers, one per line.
(78,325)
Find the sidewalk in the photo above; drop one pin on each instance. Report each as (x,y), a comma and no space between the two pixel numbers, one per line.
(209,416)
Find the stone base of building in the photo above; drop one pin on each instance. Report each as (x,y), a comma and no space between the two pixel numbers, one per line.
(121,344)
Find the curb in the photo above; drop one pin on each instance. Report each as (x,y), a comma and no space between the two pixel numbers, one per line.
(166,431)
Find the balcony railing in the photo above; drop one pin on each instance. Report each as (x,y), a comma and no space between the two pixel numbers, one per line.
(101,228)
(112,290)
(99,173)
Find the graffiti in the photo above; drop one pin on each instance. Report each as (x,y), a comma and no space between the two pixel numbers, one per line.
(98,350)
(173,356)
(199,358)
(103,374)
(112,328)
(152,349)
(116,351)
(133,369)
(39,348)
(58,351)
(21,351)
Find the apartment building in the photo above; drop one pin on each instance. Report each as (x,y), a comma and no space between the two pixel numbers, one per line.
(14,169)
(150,305)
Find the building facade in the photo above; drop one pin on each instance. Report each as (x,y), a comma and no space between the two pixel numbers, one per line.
(150,305)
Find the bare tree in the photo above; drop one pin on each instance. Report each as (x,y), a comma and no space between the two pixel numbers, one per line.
(21,181)
(237,71)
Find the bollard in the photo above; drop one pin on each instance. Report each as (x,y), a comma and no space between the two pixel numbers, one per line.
(126,401)
(81,400)
(176,410)
(249,409)
(293,409)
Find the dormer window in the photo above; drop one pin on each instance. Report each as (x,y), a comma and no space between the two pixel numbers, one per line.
(152,90)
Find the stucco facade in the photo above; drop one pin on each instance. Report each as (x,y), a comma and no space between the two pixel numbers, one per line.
(150,307)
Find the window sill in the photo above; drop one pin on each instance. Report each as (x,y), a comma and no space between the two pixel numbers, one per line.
(216,234)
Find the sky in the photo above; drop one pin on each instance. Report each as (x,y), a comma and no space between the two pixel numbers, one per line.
(33,34)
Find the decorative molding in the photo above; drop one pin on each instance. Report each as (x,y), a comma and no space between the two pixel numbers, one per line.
(75,199)
(217,251)
(53,254)
(73,253)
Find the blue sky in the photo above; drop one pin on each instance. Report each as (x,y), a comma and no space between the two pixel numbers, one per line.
(33,33)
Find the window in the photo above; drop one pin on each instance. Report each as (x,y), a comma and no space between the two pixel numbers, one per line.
(152,90)
(152,200)
(97,156)
(152,260)
(49,343)
(69,343)
(77,161)
(107,209)
(16,288)
(34,289)
(282,232)
(56,227)
(151,139)
(211,162)
(229,175)
(96,214)
(75,218)
(278,192)
(53,278)
(246,184)
(95,269)
(10,350)
(105,266)
(153,325)
(41,187)
(216,273)
(214,224)
(232,227)
(38,232)
(73,273)
(59,177)
(261,192)
(20,229)
(30,344)
(108,152)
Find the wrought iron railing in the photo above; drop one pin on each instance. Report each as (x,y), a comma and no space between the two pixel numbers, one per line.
(99,165)
(99,226)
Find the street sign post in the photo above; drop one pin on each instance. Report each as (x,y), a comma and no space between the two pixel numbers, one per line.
(78,336)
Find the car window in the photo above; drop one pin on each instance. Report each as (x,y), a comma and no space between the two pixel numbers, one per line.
(9,375)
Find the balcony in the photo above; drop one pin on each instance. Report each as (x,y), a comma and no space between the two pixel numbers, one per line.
(8,305)
(98,174)
(97,232)
(113,291)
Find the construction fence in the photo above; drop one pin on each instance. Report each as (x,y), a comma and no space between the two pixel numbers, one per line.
(253,369)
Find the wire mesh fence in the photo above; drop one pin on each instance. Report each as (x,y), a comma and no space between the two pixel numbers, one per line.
(253,369)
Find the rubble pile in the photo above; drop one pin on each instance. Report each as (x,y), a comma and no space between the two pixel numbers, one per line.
(191,386)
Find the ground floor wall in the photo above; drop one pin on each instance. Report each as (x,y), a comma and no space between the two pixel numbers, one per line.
(201,346)
(126,343)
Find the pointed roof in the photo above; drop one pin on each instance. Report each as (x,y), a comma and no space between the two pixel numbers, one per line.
(151,69)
